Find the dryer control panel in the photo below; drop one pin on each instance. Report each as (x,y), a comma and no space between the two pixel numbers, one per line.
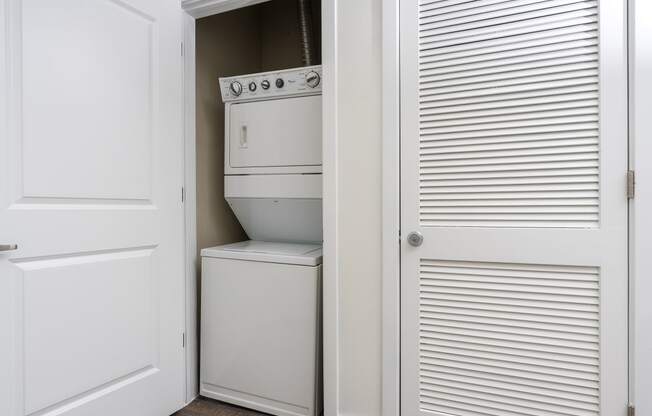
(274,84)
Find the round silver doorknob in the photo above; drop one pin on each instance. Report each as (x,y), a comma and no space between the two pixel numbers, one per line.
(415,238)
(8,247)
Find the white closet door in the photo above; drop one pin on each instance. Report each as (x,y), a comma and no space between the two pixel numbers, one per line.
(91,311)
(513,168)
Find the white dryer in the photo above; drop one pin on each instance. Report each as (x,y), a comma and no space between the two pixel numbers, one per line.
(260,326)
(273,153)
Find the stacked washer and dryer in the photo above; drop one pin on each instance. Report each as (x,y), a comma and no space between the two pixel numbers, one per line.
(261,299)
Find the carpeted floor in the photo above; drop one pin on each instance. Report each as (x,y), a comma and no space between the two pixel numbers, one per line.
(206,407)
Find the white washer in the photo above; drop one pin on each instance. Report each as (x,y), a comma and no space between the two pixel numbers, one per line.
(261,324)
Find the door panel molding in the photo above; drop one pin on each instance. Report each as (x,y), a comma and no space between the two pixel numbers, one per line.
(49,287)
(98,119)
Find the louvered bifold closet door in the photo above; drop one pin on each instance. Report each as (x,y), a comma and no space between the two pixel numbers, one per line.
(513,164)
(508,107)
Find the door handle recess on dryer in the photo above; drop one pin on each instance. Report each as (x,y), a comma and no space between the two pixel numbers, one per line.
(243,137)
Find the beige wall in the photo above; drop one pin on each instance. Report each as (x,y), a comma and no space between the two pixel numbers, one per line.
(219,38)
(280,47)
(359,198)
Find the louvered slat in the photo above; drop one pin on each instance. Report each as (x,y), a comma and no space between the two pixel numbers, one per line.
(509,112)
(501,339)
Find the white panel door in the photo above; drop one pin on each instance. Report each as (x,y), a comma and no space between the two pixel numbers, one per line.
(513,167)
(91,310)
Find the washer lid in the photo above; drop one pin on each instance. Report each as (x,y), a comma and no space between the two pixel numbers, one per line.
(305,254)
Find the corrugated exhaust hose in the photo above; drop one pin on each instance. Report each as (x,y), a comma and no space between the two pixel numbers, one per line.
(304,9)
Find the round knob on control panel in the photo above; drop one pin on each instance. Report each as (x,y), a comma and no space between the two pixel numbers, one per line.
(252,86)
(236,88)
(265,84)
(312,79)
(279,82)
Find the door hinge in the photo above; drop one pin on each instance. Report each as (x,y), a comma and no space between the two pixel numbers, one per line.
(183,340)
(631,184)
(631,410)
(183,194)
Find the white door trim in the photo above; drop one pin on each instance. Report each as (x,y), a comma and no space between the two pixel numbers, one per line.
(640,44)
(190,210)
(391,265)
(200,8)
(203,8)
(330,274)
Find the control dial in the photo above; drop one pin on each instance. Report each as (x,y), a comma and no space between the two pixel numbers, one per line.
(252,86)
(265,84)
(312,79)
(279,82)
(236,88)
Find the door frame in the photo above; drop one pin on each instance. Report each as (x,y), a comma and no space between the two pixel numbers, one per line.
(191,261)
(640,62)
(391,212)
(640,226)
(195,9)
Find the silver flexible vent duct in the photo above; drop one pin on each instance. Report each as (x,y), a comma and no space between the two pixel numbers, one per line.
(306,32)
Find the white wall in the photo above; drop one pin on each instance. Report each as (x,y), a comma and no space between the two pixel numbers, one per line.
(359,196)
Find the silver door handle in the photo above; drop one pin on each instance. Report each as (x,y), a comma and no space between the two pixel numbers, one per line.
(8,247)
(415,238)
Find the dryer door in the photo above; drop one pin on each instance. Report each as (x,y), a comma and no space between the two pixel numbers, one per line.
(276,136)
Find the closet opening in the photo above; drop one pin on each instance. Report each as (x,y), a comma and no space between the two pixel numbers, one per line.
(258,168)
